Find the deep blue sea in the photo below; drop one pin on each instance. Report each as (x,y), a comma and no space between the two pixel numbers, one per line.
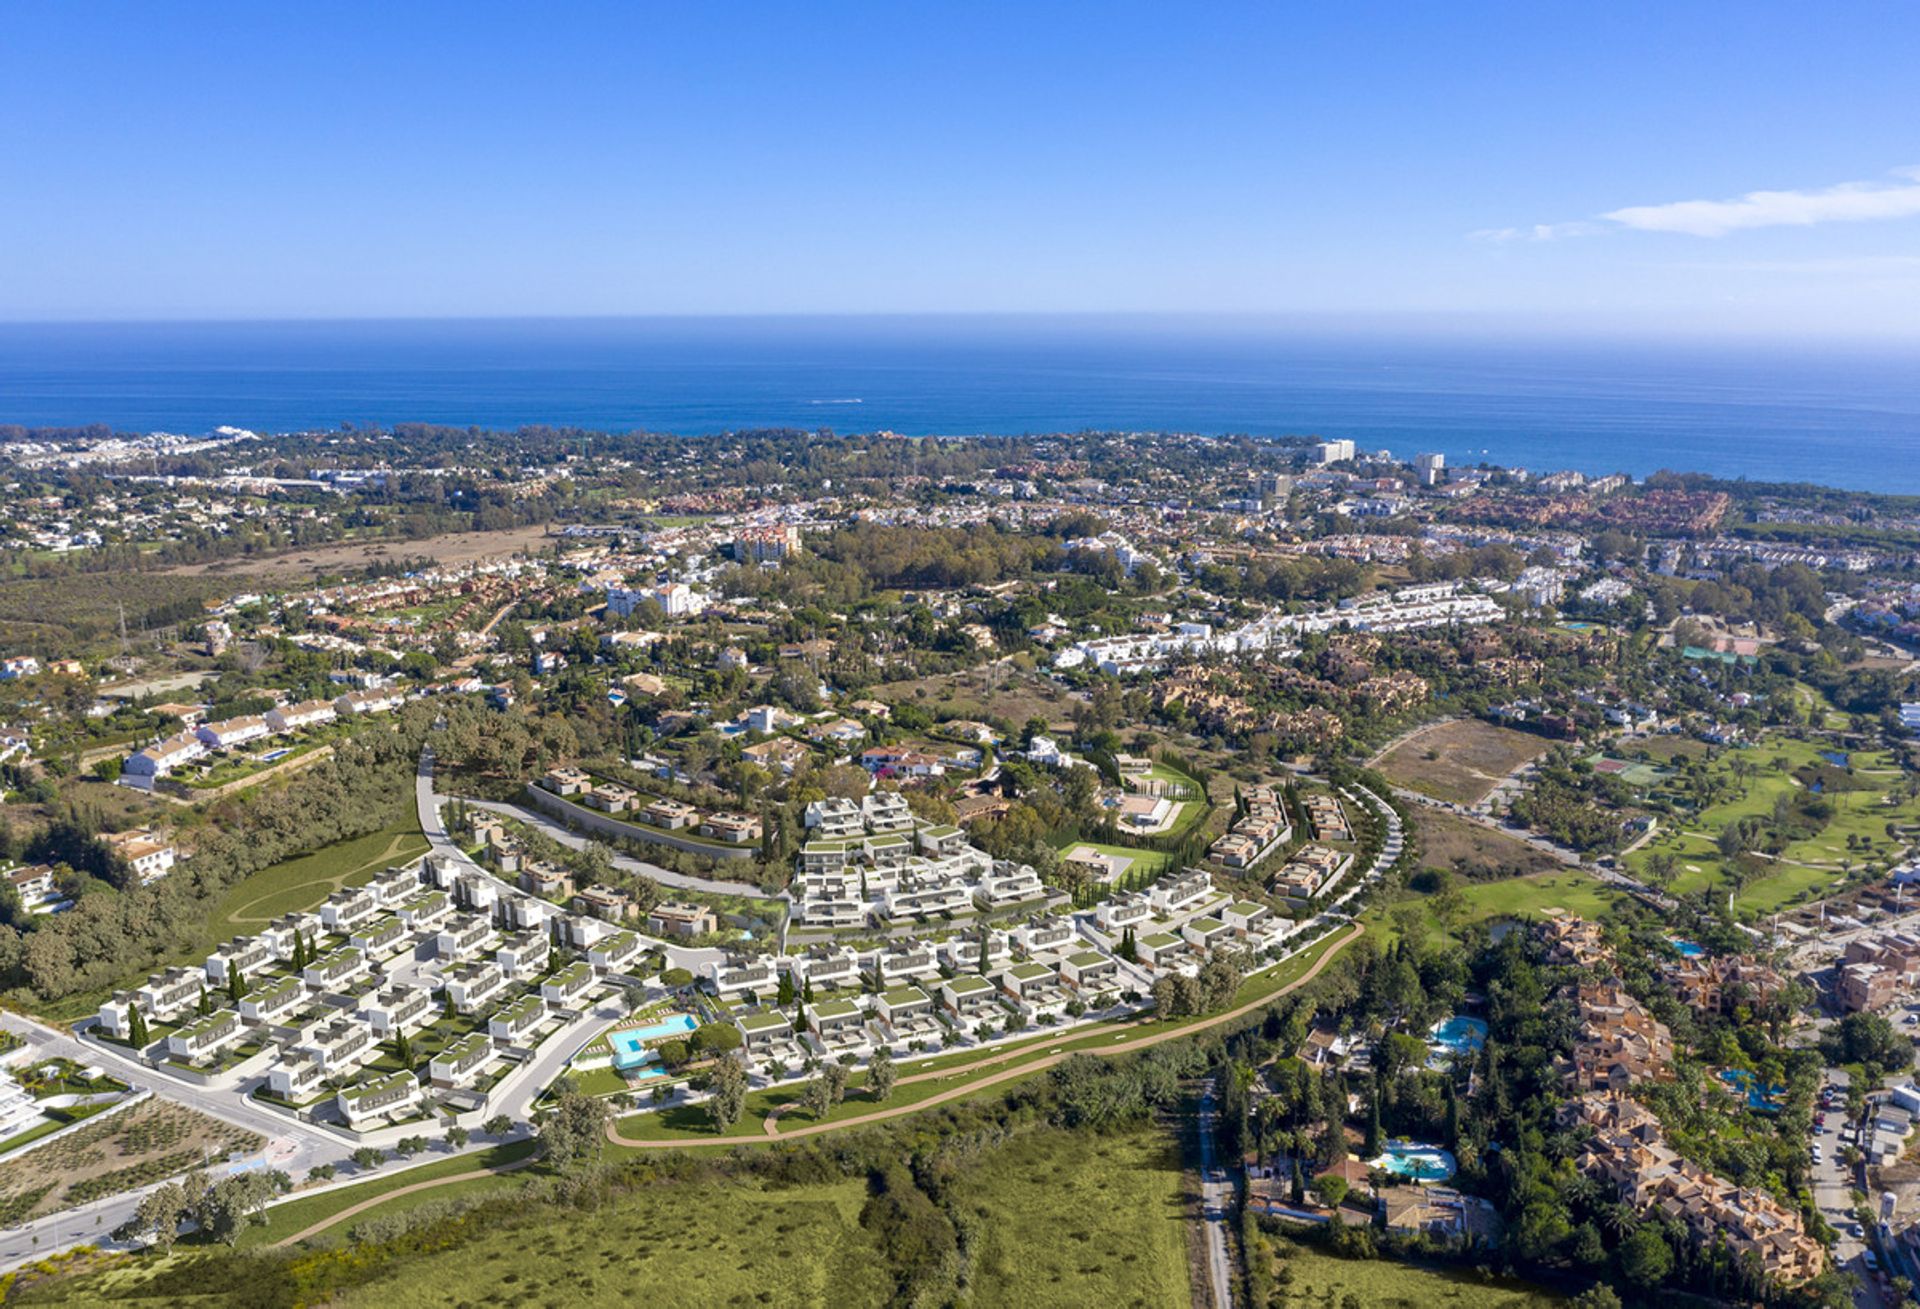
(1762,412)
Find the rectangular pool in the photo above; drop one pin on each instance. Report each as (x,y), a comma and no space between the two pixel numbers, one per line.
(630,1046)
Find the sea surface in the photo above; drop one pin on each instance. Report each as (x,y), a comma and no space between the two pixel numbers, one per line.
(1767,413)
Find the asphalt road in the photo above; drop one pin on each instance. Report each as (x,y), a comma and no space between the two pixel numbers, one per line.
(1216,1201)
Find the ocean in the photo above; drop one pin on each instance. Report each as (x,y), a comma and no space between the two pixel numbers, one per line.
(1765,413)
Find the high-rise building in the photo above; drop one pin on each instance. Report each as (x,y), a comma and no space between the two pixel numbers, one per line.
(1333,452)
(1432,468)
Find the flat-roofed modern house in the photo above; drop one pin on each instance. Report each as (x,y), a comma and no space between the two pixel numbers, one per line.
(1089,970)
(734,974)
(525,913)
(1129,909)
(459,1062)
(204,1036)
(543,880)
(471,985)
(1243,916)
(1177,891)
(476,891)
(391,1097)
(1205,932)
(735,829)
(167,993)
(562,989)
(1159,949)
(425,910)
(1044,935)
(899,1003)
(282,931)
(941,840)
(340,1044)
(379,936)
(681,919)
(461,937)
(400,1009)
(297,1075)
(279,997)
(347,909)
(839,1023)
(614,952)
(763,1027)
(513,1021)
(336,969)
(824,966)
(906,961)
(969,995)
(523,954)
(672,815)
(245,953)
(566,781)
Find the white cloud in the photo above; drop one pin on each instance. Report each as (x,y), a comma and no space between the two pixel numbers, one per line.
(1848,202)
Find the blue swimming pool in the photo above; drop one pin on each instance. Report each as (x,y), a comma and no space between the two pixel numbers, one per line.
(1458,1035)
(1415,1161)
(1764,1099)
(630,1046)
(272,755)
(1687,949)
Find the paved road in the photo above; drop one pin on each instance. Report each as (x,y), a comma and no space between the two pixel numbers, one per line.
(1216,1200)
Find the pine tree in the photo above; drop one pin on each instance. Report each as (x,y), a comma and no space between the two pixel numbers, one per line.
(136,1027)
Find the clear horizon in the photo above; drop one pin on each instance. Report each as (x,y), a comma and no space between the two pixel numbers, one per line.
(1649,174)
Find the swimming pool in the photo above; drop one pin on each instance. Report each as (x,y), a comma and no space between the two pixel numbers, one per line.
(630,1046)
(1458,1035)
(272,755)
(1415,1161)
(1688,949)
(1764,1099)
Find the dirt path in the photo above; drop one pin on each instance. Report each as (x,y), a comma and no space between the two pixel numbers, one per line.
(1044,1062)
(316,1228)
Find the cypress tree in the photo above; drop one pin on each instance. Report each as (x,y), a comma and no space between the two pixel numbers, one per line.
(205,1006)
(235,987)
(136,1027)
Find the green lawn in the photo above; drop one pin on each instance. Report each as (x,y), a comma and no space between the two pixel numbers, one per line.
(302,883)
(1804,868)
(1321,1278)
(1070,1219)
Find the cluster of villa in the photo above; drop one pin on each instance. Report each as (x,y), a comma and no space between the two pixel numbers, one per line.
(1619,1044)
(1878,971)
(1313,870)
(148,765)
(980,982)
(1276,633)
(875,862)
(491,960)
(650,810)
(1261,828)
(1628,1151)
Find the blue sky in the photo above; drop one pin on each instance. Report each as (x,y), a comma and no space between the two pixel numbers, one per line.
(1416,163)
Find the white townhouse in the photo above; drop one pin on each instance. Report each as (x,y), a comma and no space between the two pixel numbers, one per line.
(145,767)
(231,732)
(400,1009)
(283,719)
(391,1097)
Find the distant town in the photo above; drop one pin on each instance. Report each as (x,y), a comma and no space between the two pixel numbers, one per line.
(1494,870)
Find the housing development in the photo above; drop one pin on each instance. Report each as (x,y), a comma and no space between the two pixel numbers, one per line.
(415,834)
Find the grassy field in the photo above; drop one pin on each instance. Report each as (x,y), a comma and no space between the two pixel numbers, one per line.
(304,882)
(1512,897)
(1318,1278)
(1459,761)
(1144,865)
(1079,1220)
(670,1246)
